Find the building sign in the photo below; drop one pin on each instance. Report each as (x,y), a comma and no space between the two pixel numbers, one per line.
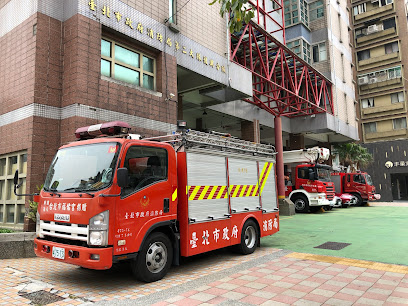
(141,29)
(390,164)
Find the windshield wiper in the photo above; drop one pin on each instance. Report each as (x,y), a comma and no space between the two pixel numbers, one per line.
(76,189)
(52,192)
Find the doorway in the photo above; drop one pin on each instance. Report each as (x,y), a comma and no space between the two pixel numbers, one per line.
(399,183)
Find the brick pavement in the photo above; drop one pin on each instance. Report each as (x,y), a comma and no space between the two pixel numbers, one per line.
(267,277)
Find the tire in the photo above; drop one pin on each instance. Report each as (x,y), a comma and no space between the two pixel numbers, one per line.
(301,204)
(154,258)
(359,199)
(249,238)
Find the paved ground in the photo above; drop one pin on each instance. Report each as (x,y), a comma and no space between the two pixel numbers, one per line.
(270,276)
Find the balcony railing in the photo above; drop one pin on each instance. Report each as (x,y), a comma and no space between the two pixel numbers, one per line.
(374,13)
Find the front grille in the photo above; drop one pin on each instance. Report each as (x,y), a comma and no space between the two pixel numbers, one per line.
(64,231)
(330,192)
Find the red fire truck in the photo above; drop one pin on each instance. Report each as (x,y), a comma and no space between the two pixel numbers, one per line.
(313,188)
(117,197)
(359,184)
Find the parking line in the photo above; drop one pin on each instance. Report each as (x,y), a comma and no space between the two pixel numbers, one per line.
(351,262)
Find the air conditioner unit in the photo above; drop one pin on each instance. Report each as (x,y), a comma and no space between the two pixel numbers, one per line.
(372,29)
(373,80)
(363,80)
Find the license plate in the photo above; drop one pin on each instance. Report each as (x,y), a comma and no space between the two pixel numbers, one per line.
(58,252)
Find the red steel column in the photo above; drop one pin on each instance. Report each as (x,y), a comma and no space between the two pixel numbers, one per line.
(279,157)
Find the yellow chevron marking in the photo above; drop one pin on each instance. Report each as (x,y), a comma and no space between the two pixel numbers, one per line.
(214,189)
(235,191)
(220,192)
(249,190)
(266,176)
(255,190)
(241,194)
(262,173)
(203,192)
(193,194)
(188,189)
(174,196)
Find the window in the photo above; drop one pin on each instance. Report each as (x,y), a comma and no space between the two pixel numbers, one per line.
(366,103)
(172,11)
(303,173)
(394,73)
(359,178)
(363,55)
(397,97)
(391,47)
(359,9)
(126,65)
(399,123)
(294,8)
(361,32)
(389,23)
(370,127)
(12,208)
(319,53)
(316,10)
(146,166)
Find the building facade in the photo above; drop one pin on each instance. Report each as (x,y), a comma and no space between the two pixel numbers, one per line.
(381,40)
(318,31)
(73,63)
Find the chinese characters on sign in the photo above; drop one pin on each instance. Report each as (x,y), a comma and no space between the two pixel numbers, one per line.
(137,26)
(48,206)
(205,238)
(402,163)
(143,214)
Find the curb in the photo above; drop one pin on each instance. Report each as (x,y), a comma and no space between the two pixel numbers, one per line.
(17,245)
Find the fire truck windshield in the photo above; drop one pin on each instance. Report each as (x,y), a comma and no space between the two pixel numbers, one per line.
(323,175)
(368,179)
(82,168)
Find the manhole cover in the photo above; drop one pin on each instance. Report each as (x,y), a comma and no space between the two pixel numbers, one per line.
(41,297)
(332,245)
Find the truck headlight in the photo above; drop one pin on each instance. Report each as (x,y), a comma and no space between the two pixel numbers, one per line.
(98,229)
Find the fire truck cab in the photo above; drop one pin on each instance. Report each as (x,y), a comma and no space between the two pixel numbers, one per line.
(113,198)
(312,188)
(359,184)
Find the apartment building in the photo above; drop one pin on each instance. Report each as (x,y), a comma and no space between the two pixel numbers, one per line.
(318,31)
(72,63)
(380,39)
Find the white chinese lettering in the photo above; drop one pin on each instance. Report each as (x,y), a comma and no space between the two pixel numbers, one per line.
(193,241)
(205,237)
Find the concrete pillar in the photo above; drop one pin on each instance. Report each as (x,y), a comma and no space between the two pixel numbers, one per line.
(279,157)
(250,131)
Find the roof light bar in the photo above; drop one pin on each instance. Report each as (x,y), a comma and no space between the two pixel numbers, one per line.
(109,128)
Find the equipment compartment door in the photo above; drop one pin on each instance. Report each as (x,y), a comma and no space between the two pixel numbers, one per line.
(267,185)
(243,185)
(206,187)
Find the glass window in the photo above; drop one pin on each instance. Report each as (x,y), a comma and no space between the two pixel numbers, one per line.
(294,9)
(389,23)
(359,9)
(363,55)
(316,10)
(399,123)
(397,97)
(319,52)
(370,127)
(10,204)
(366,103)
(391,47)
(146,166)
(127,65)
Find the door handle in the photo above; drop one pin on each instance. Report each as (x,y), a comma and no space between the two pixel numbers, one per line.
(166,205)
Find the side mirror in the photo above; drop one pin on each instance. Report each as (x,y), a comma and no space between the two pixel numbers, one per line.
(17,185)
(123,178)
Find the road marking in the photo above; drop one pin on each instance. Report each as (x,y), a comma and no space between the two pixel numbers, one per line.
(351,262)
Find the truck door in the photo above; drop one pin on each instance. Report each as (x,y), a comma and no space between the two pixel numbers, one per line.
(147,198)
(359,183)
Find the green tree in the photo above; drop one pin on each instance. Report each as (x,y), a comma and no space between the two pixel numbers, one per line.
(353,154)
(240,11)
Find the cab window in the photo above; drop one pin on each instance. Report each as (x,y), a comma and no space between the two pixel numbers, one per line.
(146,166)
(303,173)
(358,178)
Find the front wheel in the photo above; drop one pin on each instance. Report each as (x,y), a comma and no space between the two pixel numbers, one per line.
(359,199)
(249,238)
(301,204)
(154,259)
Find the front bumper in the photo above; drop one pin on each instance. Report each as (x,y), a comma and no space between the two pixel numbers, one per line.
(83,254)
(319,199)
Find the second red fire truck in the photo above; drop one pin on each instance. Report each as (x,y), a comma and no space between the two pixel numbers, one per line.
(114,198)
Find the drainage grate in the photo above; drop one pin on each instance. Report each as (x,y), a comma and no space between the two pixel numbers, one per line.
(41,297)
(330,245)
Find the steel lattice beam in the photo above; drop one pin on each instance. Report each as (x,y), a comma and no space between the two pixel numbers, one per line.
(283,84)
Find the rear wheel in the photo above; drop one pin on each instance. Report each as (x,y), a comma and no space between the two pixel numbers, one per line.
(301,204)
(249,238)
(154,258)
